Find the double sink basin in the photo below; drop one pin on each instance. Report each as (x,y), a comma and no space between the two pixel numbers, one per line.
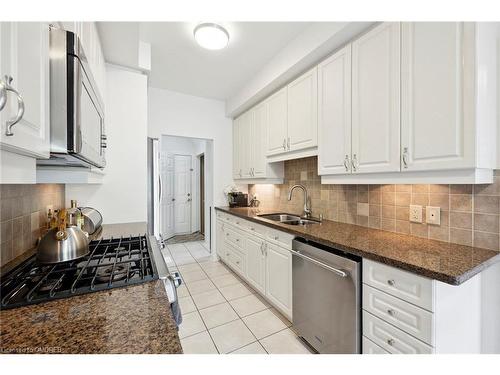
(289,219)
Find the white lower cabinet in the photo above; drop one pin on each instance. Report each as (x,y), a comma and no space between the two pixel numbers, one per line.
(256,263)
(369,347)
(404,313)
(279,277)
(260,255)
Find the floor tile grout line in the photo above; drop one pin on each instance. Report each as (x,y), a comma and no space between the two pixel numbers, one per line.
(198,311)
(229,302)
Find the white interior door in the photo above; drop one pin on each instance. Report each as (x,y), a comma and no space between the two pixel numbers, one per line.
(167,196)
(182,194)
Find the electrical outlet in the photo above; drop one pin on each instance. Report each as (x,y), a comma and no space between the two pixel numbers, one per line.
(415,213)
(433,215)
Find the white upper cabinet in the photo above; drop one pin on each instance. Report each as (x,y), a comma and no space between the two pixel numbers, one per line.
(237,169)
(334,113)
(259,135)
(250,141)
(303,112)
(422,106)
(246,149)
(437,75)
(24,56)
(277,130)
(376,100)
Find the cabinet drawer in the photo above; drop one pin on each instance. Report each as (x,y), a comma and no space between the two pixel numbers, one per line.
(369,347)
(236,259)
(410,318)
(233,236)
(401,284)
(390,338)
(255,228)
(283,238)
(221,215)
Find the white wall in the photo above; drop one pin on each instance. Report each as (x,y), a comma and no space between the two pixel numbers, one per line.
(122,197)
(172,113)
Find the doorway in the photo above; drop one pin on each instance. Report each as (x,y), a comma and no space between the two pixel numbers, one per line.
(186,165)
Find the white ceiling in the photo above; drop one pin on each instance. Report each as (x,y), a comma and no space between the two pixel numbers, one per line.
(179,64)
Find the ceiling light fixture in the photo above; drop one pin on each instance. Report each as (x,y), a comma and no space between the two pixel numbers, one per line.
(211,36)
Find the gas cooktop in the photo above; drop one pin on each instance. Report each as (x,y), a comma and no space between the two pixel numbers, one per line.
(111,263)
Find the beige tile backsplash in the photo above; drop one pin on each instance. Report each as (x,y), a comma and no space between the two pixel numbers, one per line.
(469,213)
(23,216)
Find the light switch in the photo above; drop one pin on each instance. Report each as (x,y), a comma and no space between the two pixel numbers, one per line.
(433,215)
(415,213)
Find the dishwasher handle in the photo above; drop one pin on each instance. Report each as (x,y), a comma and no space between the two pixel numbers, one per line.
(321,264)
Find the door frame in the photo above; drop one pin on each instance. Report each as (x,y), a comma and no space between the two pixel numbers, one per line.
(201,195)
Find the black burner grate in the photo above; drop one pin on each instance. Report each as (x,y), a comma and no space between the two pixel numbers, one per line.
(111,263)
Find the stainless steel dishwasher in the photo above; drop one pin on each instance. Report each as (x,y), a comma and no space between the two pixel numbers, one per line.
(326,297)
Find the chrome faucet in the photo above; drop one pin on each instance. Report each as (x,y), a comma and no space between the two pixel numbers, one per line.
(307,209)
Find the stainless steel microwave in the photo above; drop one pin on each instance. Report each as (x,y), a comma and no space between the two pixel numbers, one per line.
(77,132)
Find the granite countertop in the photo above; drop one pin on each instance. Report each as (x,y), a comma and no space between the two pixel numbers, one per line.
(446,262)
(134,319)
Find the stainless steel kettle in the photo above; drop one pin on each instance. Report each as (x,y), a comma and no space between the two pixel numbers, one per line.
(63,243)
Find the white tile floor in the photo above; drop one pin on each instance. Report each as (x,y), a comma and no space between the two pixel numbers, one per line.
(221,313)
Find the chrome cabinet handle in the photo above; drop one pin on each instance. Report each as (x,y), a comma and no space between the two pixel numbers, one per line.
(288,143)
(3,94)
(284,144)
(405,157)
(240,173)
(355,163)
(20,106)
(391,312)
(346,163)
(390,342)
(391,282)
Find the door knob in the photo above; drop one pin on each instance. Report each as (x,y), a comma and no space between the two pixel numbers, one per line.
(173,199)
(189,200)
(189,194)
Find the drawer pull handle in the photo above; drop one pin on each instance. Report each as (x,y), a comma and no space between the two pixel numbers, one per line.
(237,262)
(276,237)
(252,228)
(227,254)
(237,240)
(227,234)
(391,312)
(390,342)
(391,282)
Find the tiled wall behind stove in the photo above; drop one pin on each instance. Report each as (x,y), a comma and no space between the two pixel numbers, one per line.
(23,216)
(469,213)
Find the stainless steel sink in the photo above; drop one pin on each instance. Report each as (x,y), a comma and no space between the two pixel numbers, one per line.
(288,219)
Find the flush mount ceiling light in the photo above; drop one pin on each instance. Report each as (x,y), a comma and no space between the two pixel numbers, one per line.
(211,36)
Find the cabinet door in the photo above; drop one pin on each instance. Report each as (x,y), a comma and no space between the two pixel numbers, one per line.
(25,57)
(303,111)
(277,130)
(259,140)
(375,100)
(334,113)
(437,69)
(245,144)
(219,240)
(256,263)
(279,277)
(237,171)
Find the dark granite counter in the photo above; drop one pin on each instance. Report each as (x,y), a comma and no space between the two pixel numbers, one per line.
(446,262)
(135,319)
